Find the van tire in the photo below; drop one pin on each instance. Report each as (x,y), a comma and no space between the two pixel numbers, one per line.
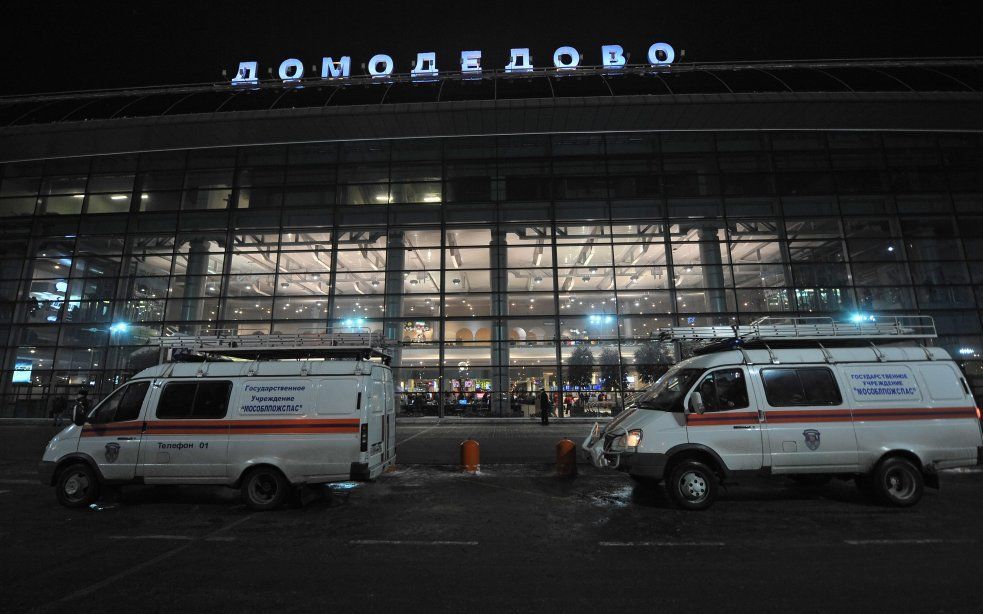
(77,486)
(264,489)
(692,485)
(897,482)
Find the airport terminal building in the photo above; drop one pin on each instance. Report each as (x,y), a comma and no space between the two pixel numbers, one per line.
(507,231)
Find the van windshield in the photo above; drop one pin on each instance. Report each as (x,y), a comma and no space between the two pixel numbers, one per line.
(666,394)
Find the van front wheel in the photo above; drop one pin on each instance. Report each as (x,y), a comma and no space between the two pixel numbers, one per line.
(264,489)
(78,486)
(898,482)
(692,485)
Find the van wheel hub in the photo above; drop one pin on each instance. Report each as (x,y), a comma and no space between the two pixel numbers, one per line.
(76,485)
(693,486)
(899,485)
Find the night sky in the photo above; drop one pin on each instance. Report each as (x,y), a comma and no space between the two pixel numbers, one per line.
(58,46)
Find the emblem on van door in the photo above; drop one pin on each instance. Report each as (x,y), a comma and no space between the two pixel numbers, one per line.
(112,452)
(812,438)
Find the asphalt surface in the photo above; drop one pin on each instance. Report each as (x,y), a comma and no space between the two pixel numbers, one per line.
(514,538)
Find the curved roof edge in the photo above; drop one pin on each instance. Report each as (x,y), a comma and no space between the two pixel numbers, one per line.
(951,112)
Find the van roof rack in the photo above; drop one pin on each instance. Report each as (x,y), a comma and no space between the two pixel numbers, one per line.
(811,328)
(319,343)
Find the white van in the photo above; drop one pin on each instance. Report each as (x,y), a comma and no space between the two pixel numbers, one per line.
(261,426)
(805,400)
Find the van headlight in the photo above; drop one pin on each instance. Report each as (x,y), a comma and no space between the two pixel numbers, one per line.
(633,438)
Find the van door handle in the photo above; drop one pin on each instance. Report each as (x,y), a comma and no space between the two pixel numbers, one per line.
(743,426)
(125,438)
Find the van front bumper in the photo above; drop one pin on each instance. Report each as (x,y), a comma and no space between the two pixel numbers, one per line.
(46,472)
(647,464)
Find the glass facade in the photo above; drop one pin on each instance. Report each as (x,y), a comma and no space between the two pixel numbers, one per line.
(499,265)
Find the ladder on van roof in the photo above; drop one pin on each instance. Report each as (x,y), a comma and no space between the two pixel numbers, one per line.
(320,343)
(812,328)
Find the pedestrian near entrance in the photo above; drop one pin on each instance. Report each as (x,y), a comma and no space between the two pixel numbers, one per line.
(81,408)
(544,405)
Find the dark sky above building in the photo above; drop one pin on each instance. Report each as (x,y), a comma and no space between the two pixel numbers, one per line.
(56,46)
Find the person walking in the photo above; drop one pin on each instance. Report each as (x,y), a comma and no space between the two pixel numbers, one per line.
(545,406)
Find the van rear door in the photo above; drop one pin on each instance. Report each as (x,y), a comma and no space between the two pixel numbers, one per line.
(375,416)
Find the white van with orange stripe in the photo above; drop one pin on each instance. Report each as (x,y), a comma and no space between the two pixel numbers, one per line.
(262,426)
(806,403)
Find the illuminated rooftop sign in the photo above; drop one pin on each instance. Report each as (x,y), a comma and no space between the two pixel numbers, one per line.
(381,65)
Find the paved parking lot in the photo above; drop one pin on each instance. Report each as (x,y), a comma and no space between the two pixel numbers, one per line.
(514,539)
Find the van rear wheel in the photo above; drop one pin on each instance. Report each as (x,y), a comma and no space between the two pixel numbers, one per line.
(77,486)
(692,485)
(264,489)
(898,482)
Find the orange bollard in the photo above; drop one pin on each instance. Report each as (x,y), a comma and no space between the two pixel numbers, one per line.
(566,459)
(470,456)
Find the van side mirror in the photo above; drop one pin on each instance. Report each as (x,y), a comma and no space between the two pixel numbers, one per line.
(696,402)
(78,417)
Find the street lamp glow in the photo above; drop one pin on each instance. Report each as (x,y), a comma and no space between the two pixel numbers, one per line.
(119,327)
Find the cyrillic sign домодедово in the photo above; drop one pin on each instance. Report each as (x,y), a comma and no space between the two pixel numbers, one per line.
(382,65)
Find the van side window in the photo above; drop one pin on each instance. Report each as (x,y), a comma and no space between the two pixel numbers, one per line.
(124,405)
(194,400)
(800,386)
(724,390)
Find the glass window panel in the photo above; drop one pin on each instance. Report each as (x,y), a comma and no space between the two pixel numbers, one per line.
(641,277)
(418,333)
(354,307)
(360,283)
(135,287)
(415,282)
(248,309)
(588,278)
(17,206)
(415,192)
(468,305)
(184,310)
(301,308)
(206,199)
(866,250)
(528,280)
(809,205)
(932,249)
(760,275)
(588,303)
(748,230)
(366,260)
(301,284)
(937,273)
(62,205)
(640,303)
(646,253)
(590,255)
(883,299)
(830,250)
(764,300)
(205,285)
(586,328)
(319,261)
(137,310)
(530,304)
(108,203)
(252,262)
(747,252)
(824,299)
(820,274)
(470,281)
(258,198)
(945,297)
(160,201)
(713,300)
(207,180)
